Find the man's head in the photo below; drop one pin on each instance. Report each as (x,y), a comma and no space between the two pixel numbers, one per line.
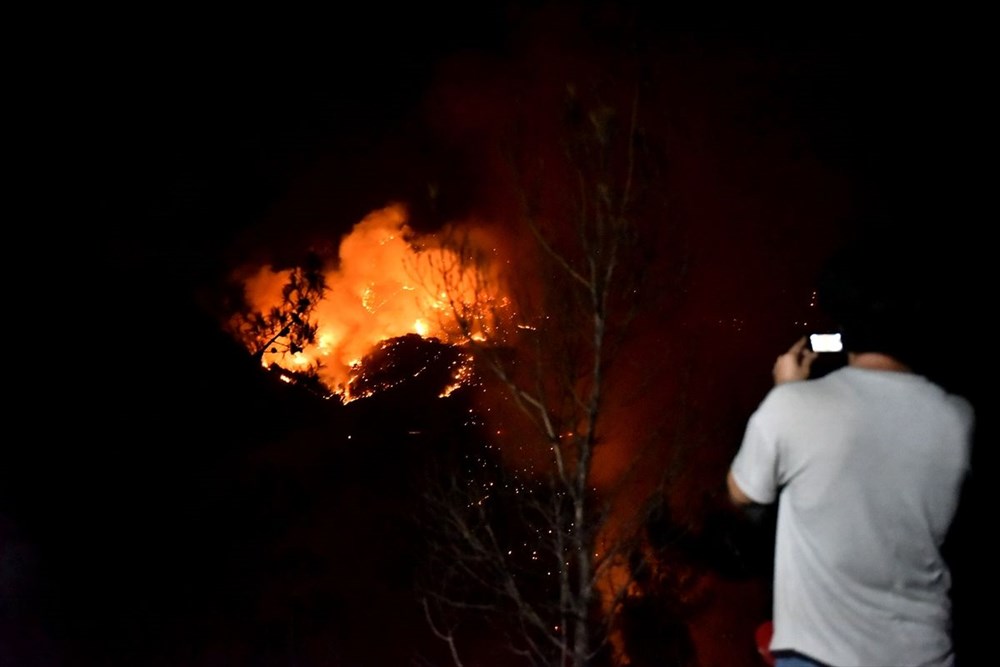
(880,301)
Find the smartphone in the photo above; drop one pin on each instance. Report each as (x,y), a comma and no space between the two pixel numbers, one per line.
(825,342)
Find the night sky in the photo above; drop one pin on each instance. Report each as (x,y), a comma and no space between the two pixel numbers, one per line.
(163,502)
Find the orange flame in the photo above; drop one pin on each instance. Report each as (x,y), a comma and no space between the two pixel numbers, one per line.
(385,286)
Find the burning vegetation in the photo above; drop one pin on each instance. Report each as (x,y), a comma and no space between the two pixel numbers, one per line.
(317,323)
(539,524)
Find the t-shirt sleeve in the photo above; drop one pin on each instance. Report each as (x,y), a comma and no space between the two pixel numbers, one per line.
(755,468)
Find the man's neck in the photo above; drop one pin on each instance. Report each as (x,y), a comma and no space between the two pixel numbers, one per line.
(876,361)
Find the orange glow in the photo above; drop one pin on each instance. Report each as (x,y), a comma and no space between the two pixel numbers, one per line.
(384,286)
(389,283)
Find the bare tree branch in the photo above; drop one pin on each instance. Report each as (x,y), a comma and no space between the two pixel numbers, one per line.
(551,352)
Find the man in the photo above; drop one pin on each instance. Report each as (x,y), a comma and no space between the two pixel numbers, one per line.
(866,464)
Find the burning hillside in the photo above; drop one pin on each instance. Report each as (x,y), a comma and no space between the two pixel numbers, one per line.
(320,320)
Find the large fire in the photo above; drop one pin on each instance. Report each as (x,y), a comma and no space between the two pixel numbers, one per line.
(390,292)
(388,283)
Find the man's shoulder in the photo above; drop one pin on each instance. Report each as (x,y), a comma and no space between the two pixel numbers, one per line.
(791,398)
(804,389)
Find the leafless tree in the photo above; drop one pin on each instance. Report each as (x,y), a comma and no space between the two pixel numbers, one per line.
(525,541)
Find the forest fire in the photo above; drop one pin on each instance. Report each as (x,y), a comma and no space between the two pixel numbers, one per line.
(388,283)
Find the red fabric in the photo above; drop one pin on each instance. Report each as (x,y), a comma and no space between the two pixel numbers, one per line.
(763,638)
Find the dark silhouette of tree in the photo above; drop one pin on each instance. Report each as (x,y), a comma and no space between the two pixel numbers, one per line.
(287,328)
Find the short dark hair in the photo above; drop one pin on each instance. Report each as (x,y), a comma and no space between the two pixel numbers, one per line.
(880,299)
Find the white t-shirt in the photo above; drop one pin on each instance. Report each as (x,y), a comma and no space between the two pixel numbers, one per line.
(869,465)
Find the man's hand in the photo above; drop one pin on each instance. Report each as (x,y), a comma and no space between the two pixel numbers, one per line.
(794,364)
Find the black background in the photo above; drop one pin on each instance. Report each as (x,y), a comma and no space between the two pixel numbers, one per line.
(137,521)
